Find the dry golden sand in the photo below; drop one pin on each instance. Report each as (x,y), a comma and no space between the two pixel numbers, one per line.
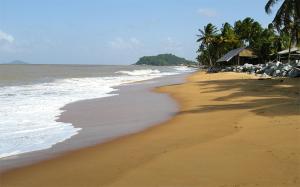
(232,131)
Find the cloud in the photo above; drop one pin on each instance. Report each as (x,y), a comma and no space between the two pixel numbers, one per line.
(172,45)
(121,43)
(207,12)
(135,41)
(7,42)
(5,37)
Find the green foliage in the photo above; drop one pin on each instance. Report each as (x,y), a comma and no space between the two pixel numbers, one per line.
(164,60)
(214,43)
(247,32)
(281,34)
(264,45)
(287,19)
(207,38)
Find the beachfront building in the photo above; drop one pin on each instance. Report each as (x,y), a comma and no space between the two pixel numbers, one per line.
(238,56)
(282,56)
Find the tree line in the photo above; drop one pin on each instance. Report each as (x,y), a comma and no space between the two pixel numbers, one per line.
(164,60)
(282,33)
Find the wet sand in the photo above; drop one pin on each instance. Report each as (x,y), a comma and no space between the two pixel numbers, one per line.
(231,130)
(104,119)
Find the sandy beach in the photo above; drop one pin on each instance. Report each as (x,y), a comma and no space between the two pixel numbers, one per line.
(104,119)
(232,130)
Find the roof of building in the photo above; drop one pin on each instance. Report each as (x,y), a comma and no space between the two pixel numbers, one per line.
(243,52)
(286,51)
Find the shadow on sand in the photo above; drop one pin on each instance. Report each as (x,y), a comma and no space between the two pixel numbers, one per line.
(271,97)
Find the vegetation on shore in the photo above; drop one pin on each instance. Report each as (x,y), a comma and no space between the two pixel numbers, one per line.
(17,62)
(164,60)
(282,33)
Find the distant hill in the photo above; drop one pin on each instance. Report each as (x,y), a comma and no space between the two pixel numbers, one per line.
(164,60)
(17,62)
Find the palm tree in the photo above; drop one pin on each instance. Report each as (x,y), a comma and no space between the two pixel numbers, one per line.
(247,30)
(206,37)
(287,19)
(230,39)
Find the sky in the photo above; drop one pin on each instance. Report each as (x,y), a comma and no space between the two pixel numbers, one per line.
(111,31)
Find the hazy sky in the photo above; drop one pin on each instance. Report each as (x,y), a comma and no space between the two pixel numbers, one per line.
(111,31)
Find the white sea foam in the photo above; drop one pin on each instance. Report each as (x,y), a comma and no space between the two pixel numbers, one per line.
(28,113)
(184,69)
(140,72)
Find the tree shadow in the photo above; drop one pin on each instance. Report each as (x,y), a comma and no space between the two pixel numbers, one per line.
(270,97)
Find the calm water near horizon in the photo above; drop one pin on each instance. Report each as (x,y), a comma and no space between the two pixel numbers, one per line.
(11,74)
(31,98)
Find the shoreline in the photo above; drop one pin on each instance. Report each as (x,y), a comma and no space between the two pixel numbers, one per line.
(103,115)
(232,130)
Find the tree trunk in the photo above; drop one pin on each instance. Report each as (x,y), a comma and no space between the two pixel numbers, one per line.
(210,61)
(290,47)
(297,19)
(297,12)
(297,36)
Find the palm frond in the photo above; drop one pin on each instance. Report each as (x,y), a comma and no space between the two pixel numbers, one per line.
(280,16)
(269,5)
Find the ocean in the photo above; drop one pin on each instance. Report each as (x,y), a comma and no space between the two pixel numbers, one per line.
(31,98)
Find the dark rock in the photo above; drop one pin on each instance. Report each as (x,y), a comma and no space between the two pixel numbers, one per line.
(213,70)
(275,69)
(295,72)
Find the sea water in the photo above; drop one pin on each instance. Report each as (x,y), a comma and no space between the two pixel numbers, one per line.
(31,98)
